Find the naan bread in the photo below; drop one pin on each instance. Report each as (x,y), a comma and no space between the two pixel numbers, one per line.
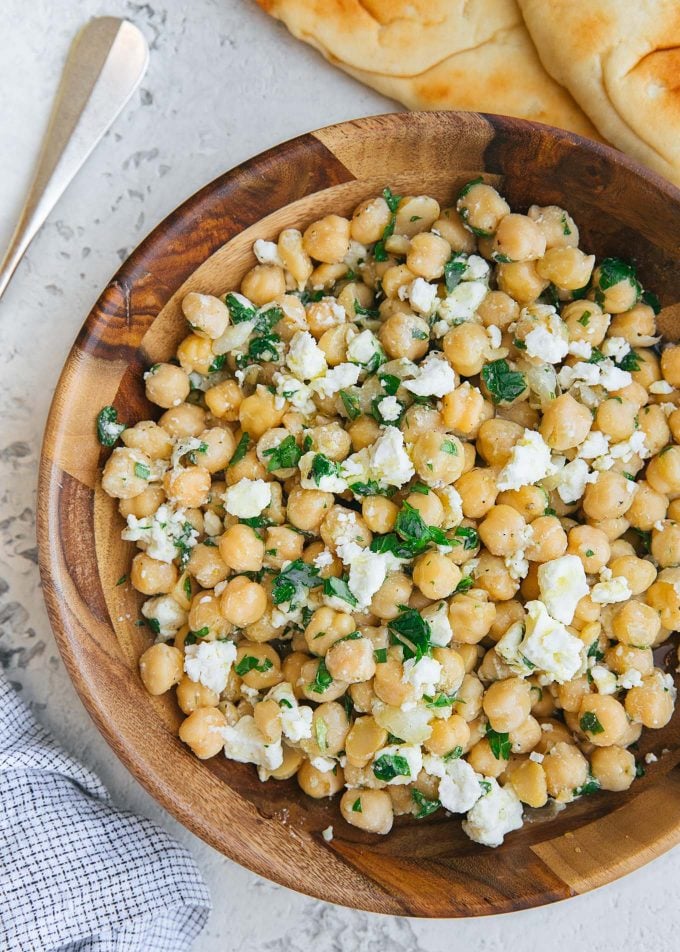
(436,54)
(621,62)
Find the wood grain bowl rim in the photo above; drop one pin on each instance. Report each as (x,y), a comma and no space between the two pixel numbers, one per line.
(335,872)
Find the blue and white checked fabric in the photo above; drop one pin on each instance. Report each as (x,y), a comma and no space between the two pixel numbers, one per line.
(77,875)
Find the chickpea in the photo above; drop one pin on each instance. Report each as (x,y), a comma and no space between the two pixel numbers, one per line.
(591,546)
(481,208)
(260,412)
(566,769)
(395,590)
(498,309)
(313,690)
(635,623)
(634,325)
(282,545)
(528,780)
(620,658)
(602,719)
(318,784)
(307,508)
(351,661)
(374,813)
(647,508)
(405,335)
(608,498)
(241,549)
(567,268)
(151,577)
(363,432)
(149,438)
(202,732)
(502,530)
(521,281)
(450,226)
(365,737)
(557,226)
(565,423)
(379,513)
(435,575)
(340,524)
(267,671)
(478,492)
(166,385)
(613,768)
(585,321)
(126,473)
(327,239)
(525,737)
(618,296)
(464,410)
(484,761)
(144,504)
(653,702)
(653,424)
(493,576)
(243,602)
(496,440)
(192,695)
(518,238)
(466,347)
(438,458)
(294,257)
(160,668)
(329,728)
(369,220)
(207,314)
(326,626)
(507,704)
(183,421)
(427,255)
(471,616)
(396,277)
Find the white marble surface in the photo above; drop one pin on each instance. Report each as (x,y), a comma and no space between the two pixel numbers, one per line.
(224,83)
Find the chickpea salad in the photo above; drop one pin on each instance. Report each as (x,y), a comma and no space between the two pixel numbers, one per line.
(409,523)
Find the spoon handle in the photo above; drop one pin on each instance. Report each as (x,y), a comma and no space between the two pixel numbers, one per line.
(106,61)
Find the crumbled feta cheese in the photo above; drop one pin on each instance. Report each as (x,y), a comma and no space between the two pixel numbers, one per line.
(327,834)
(660,386)
(212,523)
(247,498)
(536,757)
(459,787)
(550,343)
(549,646)
(322,764)
(616,348)
(595,444)
(529,462)
(604,679)
(363,348)
(422,295)
(460,305)
(161,532)
(587,373)
(331,483)
(336,379)
(209,663)
(517,565)
(305,359)
(296,392)
(651,758)
(572,480)
(562,583)
(244,743)
(452,502)
(389,409)
(434,377)
(495,336)
(167,613)
(666,683)
(581,348)
(411,753)
(437,617)
(386,461)
(323,559)
(612,377)
(497,812)
(612,591)
(296,719)
(631,678)
(476,268)
(367,570)
(508,648)
(267,252)
(356,254)
(423,675)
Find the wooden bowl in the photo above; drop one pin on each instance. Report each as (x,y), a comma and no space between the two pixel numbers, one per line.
(425,868)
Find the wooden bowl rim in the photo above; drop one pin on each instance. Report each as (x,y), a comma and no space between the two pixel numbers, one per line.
(156,246)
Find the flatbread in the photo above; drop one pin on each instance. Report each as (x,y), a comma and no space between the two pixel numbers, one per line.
(436,54)
(621,62)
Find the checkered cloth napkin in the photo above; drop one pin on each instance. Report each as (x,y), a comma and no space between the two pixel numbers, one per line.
(77,875)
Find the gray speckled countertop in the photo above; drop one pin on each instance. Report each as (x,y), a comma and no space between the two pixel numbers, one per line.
(224,83)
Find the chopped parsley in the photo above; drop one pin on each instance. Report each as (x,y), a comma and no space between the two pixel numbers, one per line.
(390,383)
(323,466)
(284,456)
(410,630)
(504,384)
(251,663)
(323,679)
(389,766)
(613,271)
(321,733)
(439,700)
(630,362)
(239,312)
(651,300)
(380,655)
(289,584)
(338,588)
(499,742)
(351,404)
(566,230)
(356,806)
(454,269)
(448,446)
(584,319)
(192,636)
(589,787)
(241,450)
(217,364)
(426,807)
(590,723)
(186,585)
(108,427)
(454,754)
(122,580)
(142,471)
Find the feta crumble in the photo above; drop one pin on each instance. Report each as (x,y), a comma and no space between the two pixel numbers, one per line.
(244,743)
(496,813)
(364,348)
(305,359)
(267,252)
(247,498)
(611,591)
(434,377)
(385,461)
(422,295)
(549,646)
(389,409)
(562,583)
(336,379)
(161,533)
(529,462)
(550,343)
(209,663)
(459,787)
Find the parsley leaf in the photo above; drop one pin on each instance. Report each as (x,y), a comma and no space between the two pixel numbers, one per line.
(389,766)
(504,384)
(356,806)
(108,427)
(589,787)
(390,383)
(142,471)
(339,588)
(284,456)
(613,271)
(192,636)
(380,655)
(630,362)
(500,744)
(251,663)
(289,584)
(454,269)
(410,630)
(427,807)
(240,450)
(391,199)
(351,404)
(323,679)
(323,466)
(239,312)
(590,723)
